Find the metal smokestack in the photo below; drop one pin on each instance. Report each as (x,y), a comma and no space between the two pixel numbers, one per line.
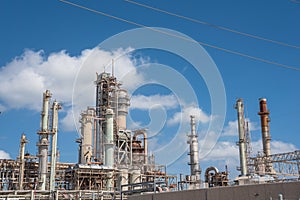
(56,106)
(194,158)
(266,137)
(265,128)
(242,137)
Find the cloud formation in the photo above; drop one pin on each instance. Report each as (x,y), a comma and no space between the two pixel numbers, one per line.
(232,127)
(25,78)
(143,102)
(4,155)
(183,116)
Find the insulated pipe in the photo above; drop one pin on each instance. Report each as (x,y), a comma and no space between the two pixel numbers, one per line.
(55,108)
(242,139)
(143,132)
(193,142)
(43,144)
(23,141)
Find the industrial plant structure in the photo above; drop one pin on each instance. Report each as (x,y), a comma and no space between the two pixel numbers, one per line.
(114,163)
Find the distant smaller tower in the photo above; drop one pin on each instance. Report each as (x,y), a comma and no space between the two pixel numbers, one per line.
(194,158)
(23,141)
(242,136)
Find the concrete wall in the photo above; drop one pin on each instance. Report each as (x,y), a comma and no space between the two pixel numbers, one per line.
(261,192)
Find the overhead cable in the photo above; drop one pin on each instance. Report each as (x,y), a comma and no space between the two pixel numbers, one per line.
(213,25)
(182,37)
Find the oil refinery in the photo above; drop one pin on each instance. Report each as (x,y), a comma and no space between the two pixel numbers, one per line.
(114,162)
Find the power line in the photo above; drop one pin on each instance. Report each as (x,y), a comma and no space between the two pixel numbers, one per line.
(295,1)
(215,26)
(182,37)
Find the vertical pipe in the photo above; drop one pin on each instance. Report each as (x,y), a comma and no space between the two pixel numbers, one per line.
(55,108)
(193,142)
(98,139)
(23,141)
(32,195)
(94,137)
(242,140)
(109,146)
(43,143)
(143,132)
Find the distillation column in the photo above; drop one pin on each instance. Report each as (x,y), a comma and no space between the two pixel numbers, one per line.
(123,103)
(242,137)
(43,142)
(194,158)
(106,87)
(265,130)
(55,107)
(23,141)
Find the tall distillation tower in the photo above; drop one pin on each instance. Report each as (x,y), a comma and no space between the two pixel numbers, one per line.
(109,95)
(44,142)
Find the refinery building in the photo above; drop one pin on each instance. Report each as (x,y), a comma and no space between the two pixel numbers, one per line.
(114,162)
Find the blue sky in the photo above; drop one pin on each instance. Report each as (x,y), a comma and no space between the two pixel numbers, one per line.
(45,44)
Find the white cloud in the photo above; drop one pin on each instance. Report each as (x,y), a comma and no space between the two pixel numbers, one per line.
(4,155)
(146,102)
(184,115)
(232,128)
(25,78)
(276,147)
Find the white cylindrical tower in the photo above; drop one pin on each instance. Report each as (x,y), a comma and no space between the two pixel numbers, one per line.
(109,141)
(242,137)
(109,146)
